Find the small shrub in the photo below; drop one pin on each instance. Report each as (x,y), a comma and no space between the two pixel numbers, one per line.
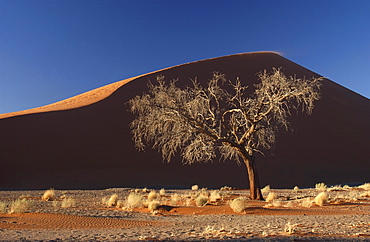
(215,195)
(266,189)
(321,187)
(239,204)
(162,192)
(49,195)
(152,196)
(296,189)
(201,200)
(195,187)
(321,199)
(3,207)
(154,205)
(134,200)
(112,201)
(68,202)
(20,206)
(226,188)
(271,197)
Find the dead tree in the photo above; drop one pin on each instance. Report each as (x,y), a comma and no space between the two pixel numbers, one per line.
(197,121)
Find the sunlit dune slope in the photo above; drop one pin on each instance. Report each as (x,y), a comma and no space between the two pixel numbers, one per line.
(85,141)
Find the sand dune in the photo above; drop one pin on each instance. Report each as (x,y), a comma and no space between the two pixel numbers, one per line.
(85,141)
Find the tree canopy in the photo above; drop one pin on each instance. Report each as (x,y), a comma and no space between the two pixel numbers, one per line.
(200,122)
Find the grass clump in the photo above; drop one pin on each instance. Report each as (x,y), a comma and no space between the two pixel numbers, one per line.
(296,189)
(226,188)
(154,205)
(3,207)
(162,192)
(20,206)
(134,200)
(271,197)
(49,195)
(266,189)
(321,199)
(201,200)
(112,201)
(239,204)
(214,196)
(195,187)
(68,202)
(152,195)
(321,187)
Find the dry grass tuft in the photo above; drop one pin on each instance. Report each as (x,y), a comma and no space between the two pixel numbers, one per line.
(201,200)
(49,195)
(152,195)
(226,188)
(134,200)
(271,197)
(20,206)
(266,189)
(239,204)
(195,187)
(321,187)
(3,207)
(112,201)
(162,192)
(296,189)
(154,205)
(321,199)
(214,196)
(68,202)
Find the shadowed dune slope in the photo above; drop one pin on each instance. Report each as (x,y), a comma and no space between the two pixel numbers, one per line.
(91,146)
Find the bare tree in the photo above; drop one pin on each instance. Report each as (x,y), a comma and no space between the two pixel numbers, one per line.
(198,121)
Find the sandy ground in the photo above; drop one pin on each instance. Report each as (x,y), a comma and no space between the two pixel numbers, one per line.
(346,217)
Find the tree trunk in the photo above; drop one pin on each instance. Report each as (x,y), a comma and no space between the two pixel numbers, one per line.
(254,183)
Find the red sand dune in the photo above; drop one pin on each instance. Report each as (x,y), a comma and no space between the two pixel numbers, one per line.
(85,142)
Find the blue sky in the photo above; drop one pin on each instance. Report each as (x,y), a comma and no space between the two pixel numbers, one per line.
(51,49)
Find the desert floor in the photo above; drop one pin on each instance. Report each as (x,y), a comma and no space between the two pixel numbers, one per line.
(345,216)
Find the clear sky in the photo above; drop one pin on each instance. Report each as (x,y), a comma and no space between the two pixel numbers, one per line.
(51,50)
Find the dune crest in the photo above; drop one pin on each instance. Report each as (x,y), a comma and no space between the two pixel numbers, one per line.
(94,95)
